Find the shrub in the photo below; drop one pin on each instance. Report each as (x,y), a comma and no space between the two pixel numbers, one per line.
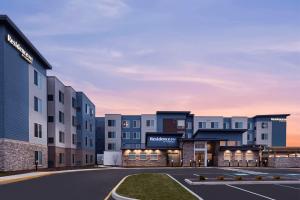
(259,178)
(238,178)
(220,178)
(276,177)
(202,178)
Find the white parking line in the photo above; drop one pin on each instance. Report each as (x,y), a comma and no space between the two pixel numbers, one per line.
(288,186)
(250,192)
(196,175)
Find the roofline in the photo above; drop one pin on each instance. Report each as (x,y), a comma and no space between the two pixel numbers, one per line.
(272,115)
(174,112)
(7,21)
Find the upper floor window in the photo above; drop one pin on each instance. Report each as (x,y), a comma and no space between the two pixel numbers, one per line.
(73,102)
(181,123)
(61,117)
(111,123)
(87,109)
(74,139)
(264,125)
(37,130)
(149,123)
(126,124)
(91,142)
(50,119)
(73,121)
(238,125)
(250,126)
(136,135)
(111,146)
(202,125)
(126,135)
(226,125)
(264,136)
(136,124)
(61,97)
(111,134)
(37,104)
(37,78)
(50,97)
(214,124)
(61,137)
(189,125)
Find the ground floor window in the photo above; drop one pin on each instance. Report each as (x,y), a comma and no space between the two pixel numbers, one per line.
(91,159)
(131,156)
(86,158)
(227,155)
(38,157)
(73,158)
(143,156)
(154,156)
(61,158)
(249,155)
(238,155)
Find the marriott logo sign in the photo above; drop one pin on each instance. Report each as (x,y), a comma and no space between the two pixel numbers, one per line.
(24,53)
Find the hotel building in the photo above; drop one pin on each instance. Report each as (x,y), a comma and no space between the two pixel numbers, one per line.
(23,101)
(178,138)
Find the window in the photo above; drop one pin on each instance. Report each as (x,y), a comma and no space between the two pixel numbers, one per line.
(199,145)
(86,158)
(73,121)
(61,117)
(50,140)
(50,97)
(86,141)
(125,124)
(202,125)
(226,125)
(131,156)
(222,143)
(50,119)
(149,122)
(61,158)
(37,130)
(73,102)
(61,97)
(181,123)
(154,156)
(227,155)
(91,142)
(61,137)
(37,104)
(37,79)
(73,139)
(136,123)
(264,125)
(111,146)
(238,125)
(136,135)
(111,134)
(248,137)
(238,155)
(214,124)
(143,156)
(189,125)
(73,158)
(87,109)
(126,135)
(38,157)
(250,126)
(91,159)
(249,155)
(86,125)
(231,143)
(264,136)
(91,127)
(111,123)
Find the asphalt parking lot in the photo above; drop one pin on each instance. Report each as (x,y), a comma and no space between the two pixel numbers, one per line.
(96,185)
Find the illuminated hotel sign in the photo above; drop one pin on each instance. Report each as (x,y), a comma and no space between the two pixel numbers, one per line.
(24,53)
(278,119)
(162,141)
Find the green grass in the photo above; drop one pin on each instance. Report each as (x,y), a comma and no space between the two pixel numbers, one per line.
(153,187)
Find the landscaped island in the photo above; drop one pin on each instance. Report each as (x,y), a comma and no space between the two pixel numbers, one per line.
(154,187)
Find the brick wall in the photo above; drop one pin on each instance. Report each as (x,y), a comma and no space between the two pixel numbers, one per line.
(284,162)
(187,153)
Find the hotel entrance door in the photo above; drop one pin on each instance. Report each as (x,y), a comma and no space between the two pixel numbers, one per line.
(200,158)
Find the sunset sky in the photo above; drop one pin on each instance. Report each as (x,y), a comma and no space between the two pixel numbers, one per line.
(212,57)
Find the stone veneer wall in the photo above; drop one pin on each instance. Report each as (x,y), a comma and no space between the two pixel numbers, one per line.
(80,157)
(68,157)
(161,162)
(18,155)
(187,153)
(280,162)
(234,163)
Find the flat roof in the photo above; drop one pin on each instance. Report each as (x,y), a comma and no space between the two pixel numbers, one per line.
(4,19)
(272,115)
(173,112)
(238,131)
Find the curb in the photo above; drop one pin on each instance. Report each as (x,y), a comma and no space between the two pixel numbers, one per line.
(240,182)
(116,196)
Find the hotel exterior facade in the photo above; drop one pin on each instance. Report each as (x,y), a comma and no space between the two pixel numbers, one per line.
(178,138)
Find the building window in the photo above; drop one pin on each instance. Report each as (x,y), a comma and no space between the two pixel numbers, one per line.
(222,143)
(50,119)
(91,142)
(238,125)
(73,158)
(264,136)
(126,124)
(38,130)
(86,125)
(149,123)
(86,141)
(180,124)
(73,102)
(126,135)
(111,146)
(249,155)
(61,117)
(189,125)
(231,143)
(73,121)
(111,134)
(38,157)
(136,135)
(50,97)
(143,156)
(199,145)
(238,155)
(50,140)
(86,158)
(37,79)
(248,137)
(61,137)
(87,109)
(214,125)
(226,125)
(202,125)
(37,104)
(131,156)
(250,126)
(91,158)
(154,156)
(136,124)
(61,97)
(111,123)
(74,139)
(61,158)
(264,125)
(91,127)
(227,155)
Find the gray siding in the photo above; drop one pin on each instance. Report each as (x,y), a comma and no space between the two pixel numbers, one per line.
(278,133)
(1,82)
